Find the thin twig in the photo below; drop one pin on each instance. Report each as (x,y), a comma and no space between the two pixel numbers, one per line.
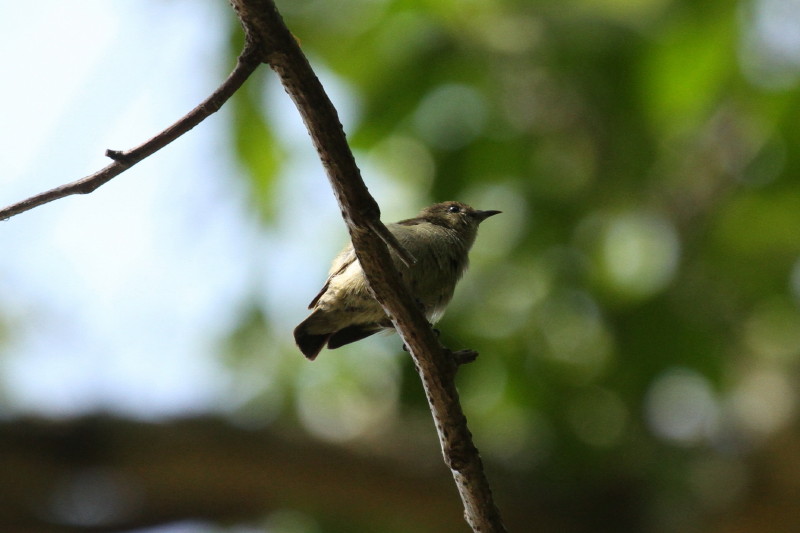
(435,365)
(123,160)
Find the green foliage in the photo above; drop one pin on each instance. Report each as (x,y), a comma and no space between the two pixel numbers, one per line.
(254,141)
(256,148)
(646,268)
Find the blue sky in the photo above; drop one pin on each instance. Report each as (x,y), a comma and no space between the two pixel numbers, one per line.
(106,294)
(118,300)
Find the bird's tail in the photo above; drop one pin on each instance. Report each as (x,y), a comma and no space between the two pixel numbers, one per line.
(310,343)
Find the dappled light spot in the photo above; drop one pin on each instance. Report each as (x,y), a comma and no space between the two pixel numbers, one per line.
(640,253)
(681,406)
(348,395)
(763,402)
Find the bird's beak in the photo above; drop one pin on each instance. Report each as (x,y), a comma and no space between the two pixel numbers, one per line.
(483,215)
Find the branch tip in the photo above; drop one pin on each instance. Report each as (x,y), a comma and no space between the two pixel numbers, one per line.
(462,357)
(124,159)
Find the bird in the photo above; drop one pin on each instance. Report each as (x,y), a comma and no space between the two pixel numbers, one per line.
(344,310)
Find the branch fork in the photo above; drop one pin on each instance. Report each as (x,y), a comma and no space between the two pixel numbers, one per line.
(268,40)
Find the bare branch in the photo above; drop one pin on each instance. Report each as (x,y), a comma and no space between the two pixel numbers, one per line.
(123,160)
(268,40)
(435,365)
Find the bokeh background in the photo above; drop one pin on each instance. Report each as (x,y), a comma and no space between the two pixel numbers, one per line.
(636,306)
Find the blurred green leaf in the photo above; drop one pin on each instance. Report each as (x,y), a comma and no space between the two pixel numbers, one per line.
(256,146)
(687,69)
(650,225)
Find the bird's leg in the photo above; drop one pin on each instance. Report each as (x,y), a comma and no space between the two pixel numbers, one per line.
(459,357)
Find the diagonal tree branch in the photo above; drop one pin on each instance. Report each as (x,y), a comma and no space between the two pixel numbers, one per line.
(268,40)
(436,365)
(123,160)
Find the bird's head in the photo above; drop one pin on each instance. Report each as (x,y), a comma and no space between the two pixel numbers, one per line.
(456,215)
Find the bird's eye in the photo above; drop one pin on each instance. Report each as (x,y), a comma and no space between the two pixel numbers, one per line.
(453,209)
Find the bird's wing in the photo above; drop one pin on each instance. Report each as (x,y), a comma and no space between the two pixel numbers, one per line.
(340,264)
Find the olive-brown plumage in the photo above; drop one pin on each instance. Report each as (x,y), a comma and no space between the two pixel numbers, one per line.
(344,311)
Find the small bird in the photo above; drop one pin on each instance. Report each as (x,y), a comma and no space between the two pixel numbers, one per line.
(344,311)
